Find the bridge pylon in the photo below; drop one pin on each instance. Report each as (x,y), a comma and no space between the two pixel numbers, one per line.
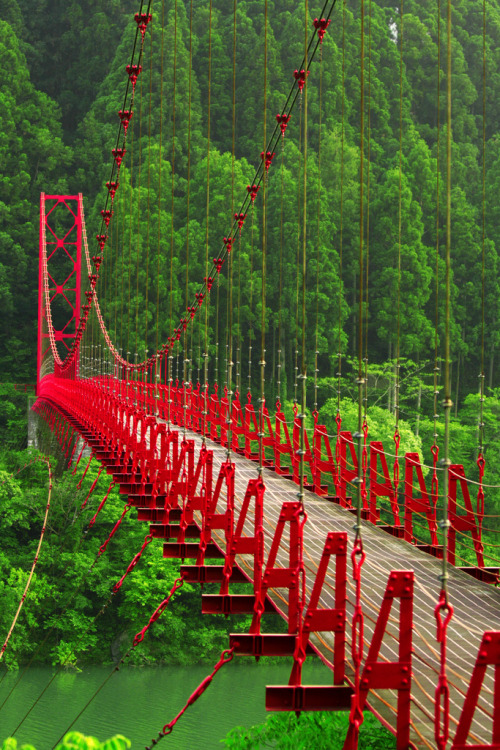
(59,279)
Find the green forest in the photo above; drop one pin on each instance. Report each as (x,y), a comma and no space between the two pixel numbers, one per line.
(61,89)
(63,86)
(59,124)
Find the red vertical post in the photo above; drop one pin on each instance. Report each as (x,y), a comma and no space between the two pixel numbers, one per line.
(420,504)
(40,292)
(78,281)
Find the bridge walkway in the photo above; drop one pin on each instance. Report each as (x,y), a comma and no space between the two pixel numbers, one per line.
(476,604)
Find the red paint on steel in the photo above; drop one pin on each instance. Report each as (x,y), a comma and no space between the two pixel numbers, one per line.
(381,487)
(320,620)
(279,577)
(488,655)
(420,504)
(443,614)
(463,522)
(69,245)
(395,675)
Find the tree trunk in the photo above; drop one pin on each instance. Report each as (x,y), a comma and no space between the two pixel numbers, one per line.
(419,404)
(389,390)
(355,307)
(490,378)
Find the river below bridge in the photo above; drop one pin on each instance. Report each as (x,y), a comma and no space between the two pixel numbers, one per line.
(137,702)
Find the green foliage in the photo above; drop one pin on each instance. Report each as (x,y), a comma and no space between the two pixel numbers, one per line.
(63,655)
(319,730)
(11,744)
(70,587)
(32,157)
(76,741)
(13,417)
(60,95)
(381,425)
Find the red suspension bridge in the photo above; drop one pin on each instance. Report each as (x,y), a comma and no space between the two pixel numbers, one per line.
(270,501)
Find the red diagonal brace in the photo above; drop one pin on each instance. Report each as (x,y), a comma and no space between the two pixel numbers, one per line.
(462,522)
(488,655)
(391,675)
(323,619)
(420,504)
(381,486)
(281,577)
(237,543)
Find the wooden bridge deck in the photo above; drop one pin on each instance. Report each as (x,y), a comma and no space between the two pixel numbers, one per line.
(476,604)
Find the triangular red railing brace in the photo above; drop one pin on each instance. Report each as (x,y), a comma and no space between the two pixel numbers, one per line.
(169,451)
(421,504)
(124,453)
(323,465)
(221,520)
(202,476)
(268,439)
(237,424)
(151,434)
(346,474)
(224,413)
(331,619)
(189,504)
(464,522)
(295,696)
(278,577)
(211,519)
(251,435)
(214,415)
(488,655)
(308,455)
(159,460)
(196,409)
(279,447)
(379,488)
(383,675)
(179,482)
(142,448)
(236,542)
(223,416)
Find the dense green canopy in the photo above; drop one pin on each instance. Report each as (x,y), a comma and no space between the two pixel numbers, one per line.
(63,83)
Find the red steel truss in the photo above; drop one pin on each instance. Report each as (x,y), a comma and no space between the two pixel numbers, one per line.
(51,288)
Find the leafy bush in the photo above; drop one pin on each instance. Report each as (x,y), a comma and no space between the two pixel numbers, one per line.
(76,741)
(320,730)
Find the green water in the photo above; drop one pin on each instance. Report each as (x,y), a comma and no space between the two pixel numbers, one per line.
(138,702)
